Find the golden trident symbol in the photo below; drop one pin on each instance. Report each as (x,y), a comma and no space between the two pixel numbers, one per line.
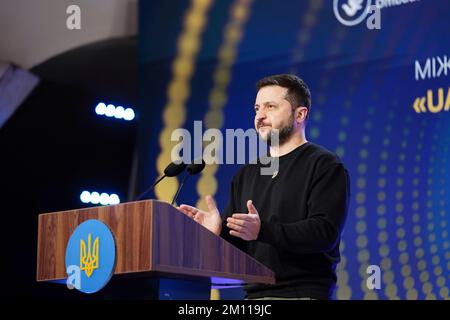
(89,260)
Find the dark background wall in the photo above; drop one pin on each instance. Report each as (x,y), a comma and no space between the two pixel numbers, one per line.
(56,146)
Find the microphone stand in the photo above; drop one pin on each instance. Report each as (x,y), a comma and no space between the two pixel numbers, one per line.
(152,186)
(179,188)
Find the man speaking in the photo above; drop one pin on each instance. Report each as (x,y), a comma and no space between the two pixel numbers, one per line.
(292,220)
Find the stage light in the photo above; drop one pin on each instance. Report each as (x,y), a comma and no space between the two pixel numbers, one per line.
(100,109)
(129,114)
(119,113)
(85,197)
(104,199)
(112,111)
(96,198)
(114,199)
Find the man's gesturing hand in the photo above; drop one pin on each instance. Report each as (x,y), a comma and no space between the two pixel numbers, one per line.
(245,225)
(209,219)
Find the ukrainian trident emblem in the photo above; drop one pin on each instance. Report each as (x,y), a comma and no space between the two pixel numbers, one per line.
(91,243)
(89,256)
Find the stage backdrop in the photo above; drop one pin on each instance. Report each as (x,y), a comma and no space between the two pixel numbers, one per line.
(380,100)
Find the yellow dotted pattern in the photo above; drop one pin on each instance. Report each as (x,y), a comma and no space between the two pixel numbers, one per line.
(178,91)
(389,286)
(423,265)
(214,118)
(382,236)
(362,240)
(420,266)
(441,289)
(441,281)
(344,291)
(308,21)
(402,245)
(444,291)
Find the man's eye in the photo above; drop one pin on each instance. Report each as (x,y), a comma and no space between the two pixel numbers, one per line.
(271,106)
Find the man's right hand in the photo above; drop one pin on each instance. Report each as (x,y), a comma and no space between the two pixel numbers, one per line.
(209,219)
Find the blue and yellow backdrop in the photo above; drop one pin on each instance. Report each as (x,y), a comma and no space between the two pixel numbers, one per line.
(380,100)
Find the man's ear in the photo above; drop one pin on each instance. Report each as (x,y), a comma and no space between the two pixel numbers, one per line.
(302,113)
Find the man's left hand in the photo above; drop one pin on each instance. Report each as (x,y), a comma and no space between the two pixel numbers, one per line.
(245,225)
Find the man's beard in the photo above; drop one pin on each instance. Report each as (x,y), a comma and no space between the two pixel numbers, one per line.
(283,134)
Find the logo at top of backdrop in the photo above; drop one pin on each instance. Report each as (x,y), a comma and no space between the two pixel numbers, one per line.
(351,12)
(90,256)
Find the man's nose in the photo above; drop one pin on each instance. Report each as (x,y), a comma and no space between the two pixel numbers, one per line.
(260,115)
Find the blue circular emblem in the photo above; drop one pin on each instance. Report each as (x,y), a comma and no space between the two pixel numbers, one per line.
(90,256)
(351,13)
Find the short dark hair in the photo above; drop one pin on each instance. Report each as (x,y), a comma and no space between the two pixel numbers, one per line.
(298,93)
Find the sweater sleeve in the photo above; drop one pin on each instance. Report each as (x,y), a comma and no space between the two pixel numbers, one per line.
(320,231)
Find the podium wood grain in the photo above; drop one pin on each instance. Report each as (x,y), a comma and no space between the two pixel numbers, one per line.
(151,237)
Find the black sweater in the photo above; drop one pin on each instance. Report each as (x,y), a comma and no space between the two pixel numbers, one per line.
(302,210)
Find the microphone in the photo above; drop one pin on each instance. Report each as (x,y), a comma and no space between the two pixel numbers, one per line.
(192,169)
(195,168)
(172,170)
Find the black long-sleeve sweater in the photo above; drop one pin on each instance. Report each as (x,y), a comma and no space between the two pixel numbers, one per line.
(302,210)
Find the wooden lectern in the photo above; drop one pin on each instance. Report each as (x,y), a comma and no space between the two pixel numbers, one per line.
(160,252)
